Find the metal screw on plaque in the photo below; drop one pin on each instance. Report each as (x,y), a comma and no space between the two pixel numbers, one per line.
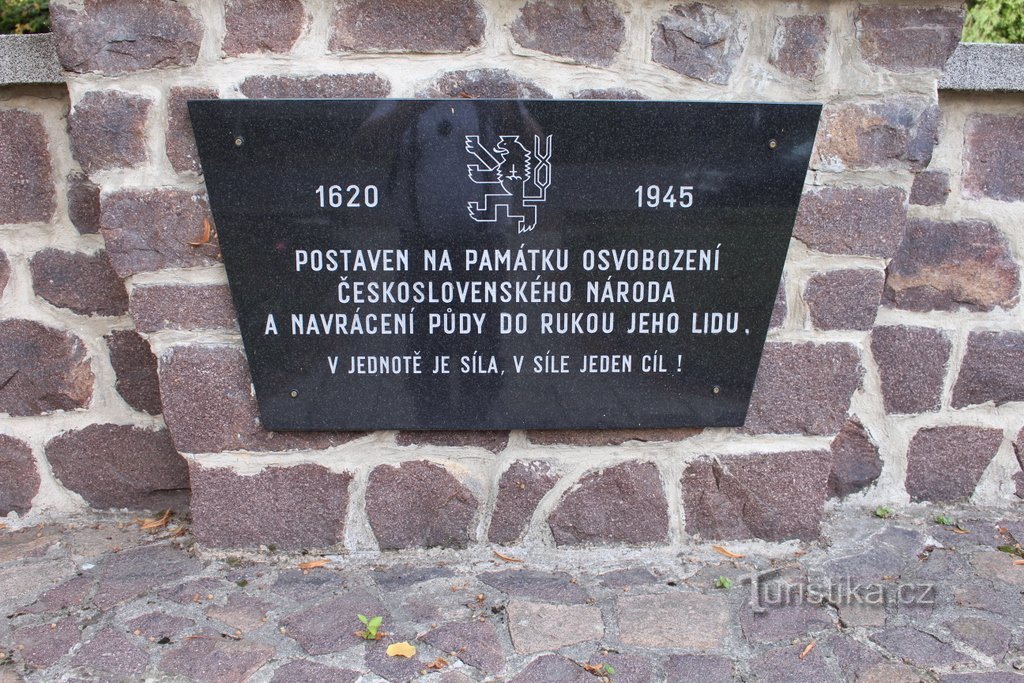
(293,393)
(772,144)
(716,390)
(239,141)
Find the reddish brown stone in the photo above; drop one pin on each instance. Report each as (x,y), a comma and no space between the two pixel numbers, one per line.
(908,38)
(552,668)
(241,612)
(855,461)
(930,188)
(476,643)
(991,370)
(486,83)
(798,48)
(899,132)
(410,26)
(434,508)
(316,630)
(140,570)
(520,489)
(19,479)
(216,660)
(699,669)
(589,31)
(209,406)
(155,229)
(804,388)
(180,140)
(115,466)
(771,496)
(606,437)
(118,36)
(26,183)
(108,130)
(83,204)
(182,307)
(993,165)
(699,41)
(494,441)
(986,636)
(262,25)
(861,221)
(780,309)
(537,585)
(84,283)
(785,664)
(942,266)
(41,369)
(5,272)
(296,507)
(912,364)
(608,94)
(135,367)
(41,646)
(329,86)
(304,670)
(945,463)
(844,299)
(111,652)
(603,507)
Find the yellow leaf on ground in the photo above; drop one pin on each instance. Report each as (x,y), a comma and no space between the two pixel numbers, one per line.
(402,649)
(728,553)
(313,564)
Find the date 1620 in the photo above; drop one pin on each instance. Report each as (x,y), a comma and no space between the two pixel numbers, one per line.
(352,197)
(672,196)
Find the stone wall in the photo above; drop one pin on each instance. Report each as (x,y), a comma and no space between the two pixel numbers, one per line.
(892,373)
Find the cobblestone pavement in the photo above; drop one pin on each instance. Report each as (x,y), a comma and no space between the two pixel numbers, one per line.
(899,599)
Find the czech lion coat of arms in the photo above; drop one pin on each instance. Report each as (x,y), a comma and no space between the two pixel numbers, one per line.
(515,179)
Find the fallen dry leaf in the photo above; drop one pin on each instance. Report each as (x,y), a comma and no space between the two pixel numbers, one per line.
(807,650)
(957,530)
(156,522)
(728,553)
(207,231)
(402,649)
(506,557)
(438,664)
(314,564)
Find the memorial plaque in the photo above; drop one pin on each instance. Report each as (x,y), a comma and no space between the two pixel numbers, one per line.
(497,264)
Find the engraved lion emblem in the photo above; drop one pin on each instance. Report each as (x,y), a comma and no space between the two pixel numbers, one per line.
(515,179)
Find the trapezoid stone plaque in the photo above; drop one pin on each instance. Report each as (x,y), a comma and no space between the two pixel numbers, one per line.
(503,264)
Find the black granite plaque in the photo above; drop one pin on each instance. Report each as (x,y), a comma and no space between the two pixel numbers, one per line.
(496,264)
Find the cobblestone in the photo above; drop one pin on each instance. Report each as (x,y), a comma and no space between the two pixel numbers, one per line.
(98,598)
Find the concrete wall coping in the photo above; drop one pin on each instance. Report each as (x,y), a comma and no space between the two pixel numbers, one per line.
(29,59)
(985,67)
(982,67)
